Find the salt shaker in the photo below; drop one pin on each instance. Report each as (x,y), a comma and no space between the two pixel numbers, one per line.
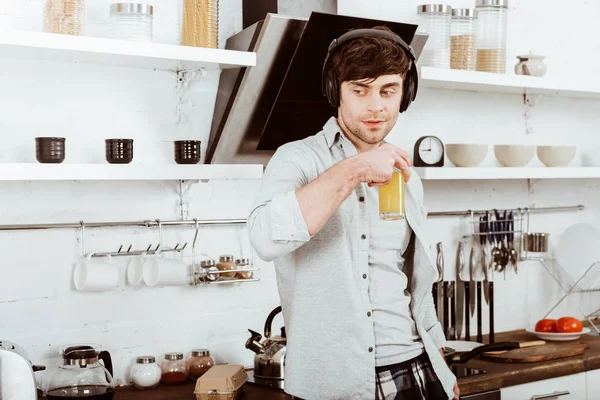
(145,374)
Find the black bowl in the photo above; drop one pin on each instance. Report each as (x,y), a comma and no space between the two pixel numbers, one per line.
(50,150)
(119,151)
(187,151)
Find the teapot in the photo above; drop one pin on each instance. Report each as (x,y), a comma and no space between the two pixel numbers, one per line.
(269,360)
(82,375)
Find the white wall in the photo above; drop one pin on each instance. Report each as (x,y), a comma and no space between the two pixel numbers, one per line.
(557,32)
(38,306)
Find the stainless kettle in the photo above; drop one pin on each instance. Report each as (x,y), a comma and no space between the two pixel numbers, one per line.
(17,381)
(269,361)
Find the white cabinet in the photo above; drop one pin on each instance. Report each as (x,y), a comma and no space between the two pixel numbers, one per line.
(593,384)
(575,385)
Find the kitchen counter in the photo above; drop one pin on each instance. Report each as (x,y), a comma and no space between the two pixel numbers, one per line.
(500,375)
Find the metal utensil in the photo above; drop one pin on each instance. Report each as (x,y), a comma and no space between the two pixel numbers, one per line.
(472,264)
(496,252)
(452,294)
(512,253)
(461,289)
(436,290)
(484,265)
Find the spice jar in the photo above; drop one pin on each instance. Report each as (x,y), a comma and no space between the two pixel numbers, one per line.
(208,270)
(226,264)
(435,19)
(64,17)
(531,65)
(199,23)
(173,369)
(491,37)
(199,363)
(131,21)
(243,263)
(145,374)
(463,39)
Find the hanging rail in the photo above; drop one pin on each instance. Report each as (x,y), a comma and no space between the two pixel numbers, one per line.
(116,224)
(525,209)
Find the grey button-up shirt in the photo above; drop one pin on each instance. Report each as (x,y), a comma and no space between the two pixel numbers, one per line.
(323,280)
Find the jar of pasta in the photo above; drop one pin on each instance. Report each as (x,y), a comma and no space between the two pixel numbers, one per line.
(64,17)
(199,23)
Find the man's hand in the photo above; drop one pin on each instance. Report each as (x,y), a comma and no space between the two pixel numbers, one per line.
(378,164)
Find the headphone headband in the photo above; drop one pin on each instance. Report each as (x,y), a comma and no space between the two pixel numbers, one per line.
(376,33)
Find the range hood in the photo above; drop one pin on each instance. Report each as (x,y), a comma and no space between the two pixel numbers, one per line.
(279,100)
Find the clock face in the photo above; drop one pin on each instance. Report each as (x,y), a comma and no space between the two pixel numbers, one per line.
(431,150)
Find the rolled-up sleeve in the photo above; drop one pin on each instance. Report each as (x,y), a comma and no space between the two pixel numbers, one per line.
(276,225)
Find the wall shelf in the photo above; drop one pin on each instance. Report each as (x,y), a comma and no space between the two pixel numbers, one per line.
(473,81)
(93,50)
(455,173)
(127,172)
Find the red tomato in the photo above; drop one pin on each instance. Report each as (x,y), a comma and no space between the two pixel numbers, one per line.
(568,324)
(546,325)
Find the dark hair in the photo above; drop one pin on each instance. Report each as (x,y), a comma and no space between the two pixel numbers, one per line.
(369,58)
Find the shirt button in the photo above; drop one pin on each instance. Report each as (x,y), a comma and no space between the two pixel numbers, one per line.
(370,349)
(361,199)
(363,236)
(369,314)
(364,276)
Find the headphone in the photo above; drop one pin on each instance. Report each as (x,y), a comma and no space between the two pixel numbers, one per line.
(329,83)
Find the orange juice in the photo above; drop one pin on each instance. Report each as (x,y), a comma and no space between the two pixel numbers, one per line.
(391,198)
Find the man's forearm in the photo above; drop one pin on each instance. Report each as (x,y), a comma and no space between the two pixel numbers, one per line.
(321,197)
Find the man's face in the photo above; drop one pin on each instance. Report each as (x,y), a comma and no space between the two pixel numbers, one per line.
(369,110)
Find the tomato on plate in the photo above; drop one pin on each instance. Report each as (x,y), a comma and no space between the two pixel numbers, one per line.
(546,325)
(569,324)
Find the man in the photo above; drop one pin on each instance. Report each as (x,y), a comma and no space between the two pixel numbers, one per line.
(355,290)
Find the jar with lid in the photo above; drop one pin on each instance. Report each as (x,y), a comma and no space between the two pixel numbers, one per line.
(131,21)
(532,65)
(208,269)
(226,264)
(241,264)
(435,19)
(145,373)
(199,23)
(199,363)
(491,37)
(173,369)
(64,17)
(463,39)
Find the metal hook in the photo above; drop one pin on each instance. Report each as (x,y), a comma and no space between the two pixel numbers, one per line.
(120,248)
(83,250)
(129,248)
(160,238)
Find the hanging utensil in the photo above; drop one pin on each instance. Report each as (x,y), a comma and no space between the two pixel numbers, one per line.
(472,264)
(437,290)
(484,266)
(452,294)
(496,252)
(461,293)
(479,301)
(513,256)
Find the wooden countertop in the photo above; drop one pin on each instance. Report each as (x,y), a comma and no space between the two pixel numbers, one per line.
(501,375)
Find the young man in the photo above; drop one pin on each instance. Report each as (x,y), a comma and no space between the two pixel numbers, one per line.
(355,290)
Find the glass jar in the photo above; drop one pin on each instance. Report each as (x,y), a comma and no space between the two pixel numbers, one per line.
(173,369)
(199,363)
(435,19)
(145,374)
(200,23)
(491,37)
(226,264)
(208,269)
(64,17)
(131,21)
(463,39)
(243,263)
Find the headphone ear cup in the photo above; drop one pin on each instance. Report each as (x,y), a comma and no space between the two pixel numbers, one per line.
(411,84)
(332,89)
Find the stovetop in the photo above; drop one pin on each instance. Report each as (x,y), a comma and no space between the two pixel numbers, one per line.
(461,371)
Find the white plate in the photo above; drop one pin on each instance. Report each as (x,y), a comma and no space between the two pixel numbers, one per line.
(561,337)
(578,249)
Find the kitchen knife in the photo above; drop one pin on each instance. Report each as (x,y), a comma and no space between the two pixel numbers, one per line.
(483,242)
(439,296)
(460,291)
(491,288)
(472,284)
(452,291)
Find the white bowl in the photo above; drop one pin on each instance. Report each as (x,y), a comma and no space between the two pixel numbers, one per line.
(556,156)
(514,155)
(466,155)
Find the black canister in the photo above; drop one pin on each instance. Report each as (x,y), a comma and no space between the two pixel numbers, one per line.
(119,151)
(187,151)
(50,150)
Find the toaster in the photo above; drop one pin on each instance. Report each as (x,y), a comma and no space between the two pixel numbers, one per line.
(17,381)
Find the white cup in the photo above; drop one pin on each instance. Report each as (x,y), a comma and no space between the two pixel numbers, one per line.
(95,276)
(135,270)
(161,271)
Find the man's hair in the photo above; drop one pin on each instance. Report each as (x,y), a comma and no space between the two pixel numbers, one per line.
(369,58)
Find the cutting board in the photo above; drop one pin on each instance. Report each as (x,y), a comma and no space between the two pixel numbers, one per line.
(546,352)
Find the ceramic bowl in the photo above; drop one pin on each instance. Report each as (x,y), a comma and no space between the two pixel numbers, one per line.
(556,156)
(514,155)
(466,155)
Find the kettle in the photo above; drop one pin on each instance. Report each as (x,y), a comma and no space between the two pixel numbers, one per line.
(82,375)
(17,381)
(269,360)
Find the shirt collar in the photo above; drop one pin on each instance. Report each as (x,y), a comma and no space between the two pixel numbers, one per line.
(332,132)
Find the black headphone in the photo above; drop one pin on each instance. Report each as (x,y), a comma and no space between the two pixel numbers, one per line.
(329,83)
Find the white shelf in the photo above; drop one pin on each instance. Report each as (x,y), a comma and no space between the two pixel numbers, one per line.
(474,81)
(455,173)
(127,172)
(92,50)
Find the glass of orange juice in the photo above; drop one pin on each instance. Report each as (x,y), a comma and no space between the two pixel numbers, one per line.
(391,198)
